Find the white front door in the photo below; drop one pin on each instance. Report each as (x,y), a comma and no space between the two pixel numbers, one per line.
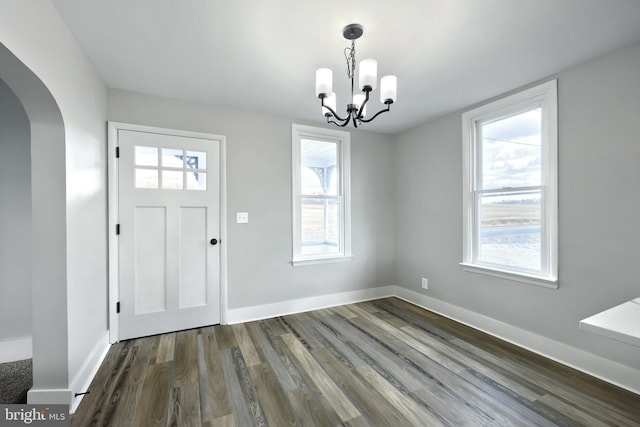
(169,232)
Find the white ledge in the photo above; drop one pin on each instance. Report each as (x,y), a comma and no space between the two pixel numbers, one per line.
(621,323)
(529,279)
(320,260)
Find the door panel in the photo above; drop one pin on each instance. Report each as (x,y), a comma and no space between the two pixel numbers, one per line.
(168,210)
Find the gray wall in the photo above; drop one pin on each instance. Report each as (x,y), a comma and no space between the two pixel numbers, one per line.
(259,182)
(15,217)
(599,173)
(65,100)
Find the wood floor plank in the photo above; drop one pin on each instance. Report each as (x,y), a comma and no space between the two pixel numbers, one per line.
(310,410)
(403,376)
(382,362)
(166,349)
(239,406)
(284,377)
(340,403)
(416,414)
(124,402)
(598,409)
(441,358)
(570,411)
(214,401)
(373,405)
(184,407)
(186,358)
(151,410)
(249,353)
(226,421)
(273,400)
(225,337)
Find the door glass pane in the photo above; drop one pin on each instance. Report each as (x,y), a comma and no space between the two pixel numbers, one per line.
(510,230)
(320,226)
(196,180)
(512,151)
(319,174)
(172,180)
(172,158)
(146,156)
(196,160)
(147,178)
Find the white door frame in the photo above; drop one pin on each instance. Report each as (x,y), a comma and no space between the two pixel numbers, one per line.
(114,286)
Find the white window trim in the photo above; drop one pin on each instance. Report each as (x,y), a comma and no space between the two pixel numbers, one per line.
(344,155)
(546,95)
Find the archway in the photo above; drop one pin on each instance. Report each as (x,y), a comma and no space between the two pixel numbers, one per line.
(48,230)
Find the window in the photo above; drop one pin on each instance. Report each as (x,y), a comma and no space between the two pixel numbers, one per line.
(510,187)
(321,206)
(170,168)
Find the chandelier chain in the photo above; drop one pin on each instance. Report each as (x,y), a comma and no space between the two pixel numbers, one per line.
(350,55)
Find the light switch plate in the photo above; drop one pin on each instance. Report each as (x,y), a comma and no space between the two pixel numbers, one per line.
(242,217)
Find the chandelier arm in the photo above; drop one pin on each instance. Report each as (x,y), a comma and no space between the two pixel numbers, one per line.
(364,103)
(376,115)
(343,124)
(332,111)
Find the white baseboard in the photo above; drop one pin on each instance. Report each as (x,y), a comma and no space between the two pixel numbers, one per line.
(258,312)
(16,349)
(599,367)
(83,378)
(43,396)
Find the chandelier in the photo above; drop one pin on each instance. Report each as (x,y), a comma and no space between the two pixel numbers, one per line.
(367,81)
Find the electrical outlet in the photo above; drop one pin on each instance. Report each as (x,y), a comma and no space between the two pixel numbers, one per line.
(425,283)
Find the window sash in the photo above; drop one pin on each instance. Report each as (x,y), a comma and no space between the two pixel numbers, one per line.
(544,97)
(341,198)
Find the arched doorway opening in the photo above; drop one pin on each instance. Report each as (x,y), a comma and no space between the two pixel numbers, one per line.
(46,242)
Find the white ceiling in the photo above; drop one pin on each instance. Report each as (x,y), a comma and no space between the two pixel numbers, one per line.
(261,55)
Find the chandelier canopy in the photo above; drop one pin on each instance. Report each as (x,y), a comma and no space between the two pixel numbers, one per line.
(367,82)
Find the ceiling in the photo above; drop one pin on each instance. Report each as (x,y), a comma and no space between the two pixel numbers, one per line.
(261,55)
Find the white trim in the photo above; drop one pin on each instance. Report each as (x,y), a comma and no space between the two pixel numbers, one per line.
(83,378)
(343,140)
(544,95)
(49,396)
(320,260)
(112,168)
(509,275)
(612,372)
(266,311)
(113,208)
(16,349)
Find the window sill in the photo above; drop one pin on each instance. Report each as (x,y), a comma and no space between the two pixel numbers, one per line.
(320,260)
(529,279)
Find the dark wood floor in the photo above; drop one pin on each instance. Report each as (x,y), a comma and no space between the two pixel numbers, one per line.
(379,363)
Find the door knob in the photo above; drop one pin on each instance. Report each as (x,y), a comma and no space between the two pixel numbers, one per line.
(214,241)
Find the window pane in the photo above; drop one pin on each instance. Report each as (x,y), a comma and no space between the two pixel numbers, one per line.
(146,178)
(319,172)
(510,230)
(172,158)
(320,226)
(172,180)
(196,160)
(146,156)
(512,151)
(196,180)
